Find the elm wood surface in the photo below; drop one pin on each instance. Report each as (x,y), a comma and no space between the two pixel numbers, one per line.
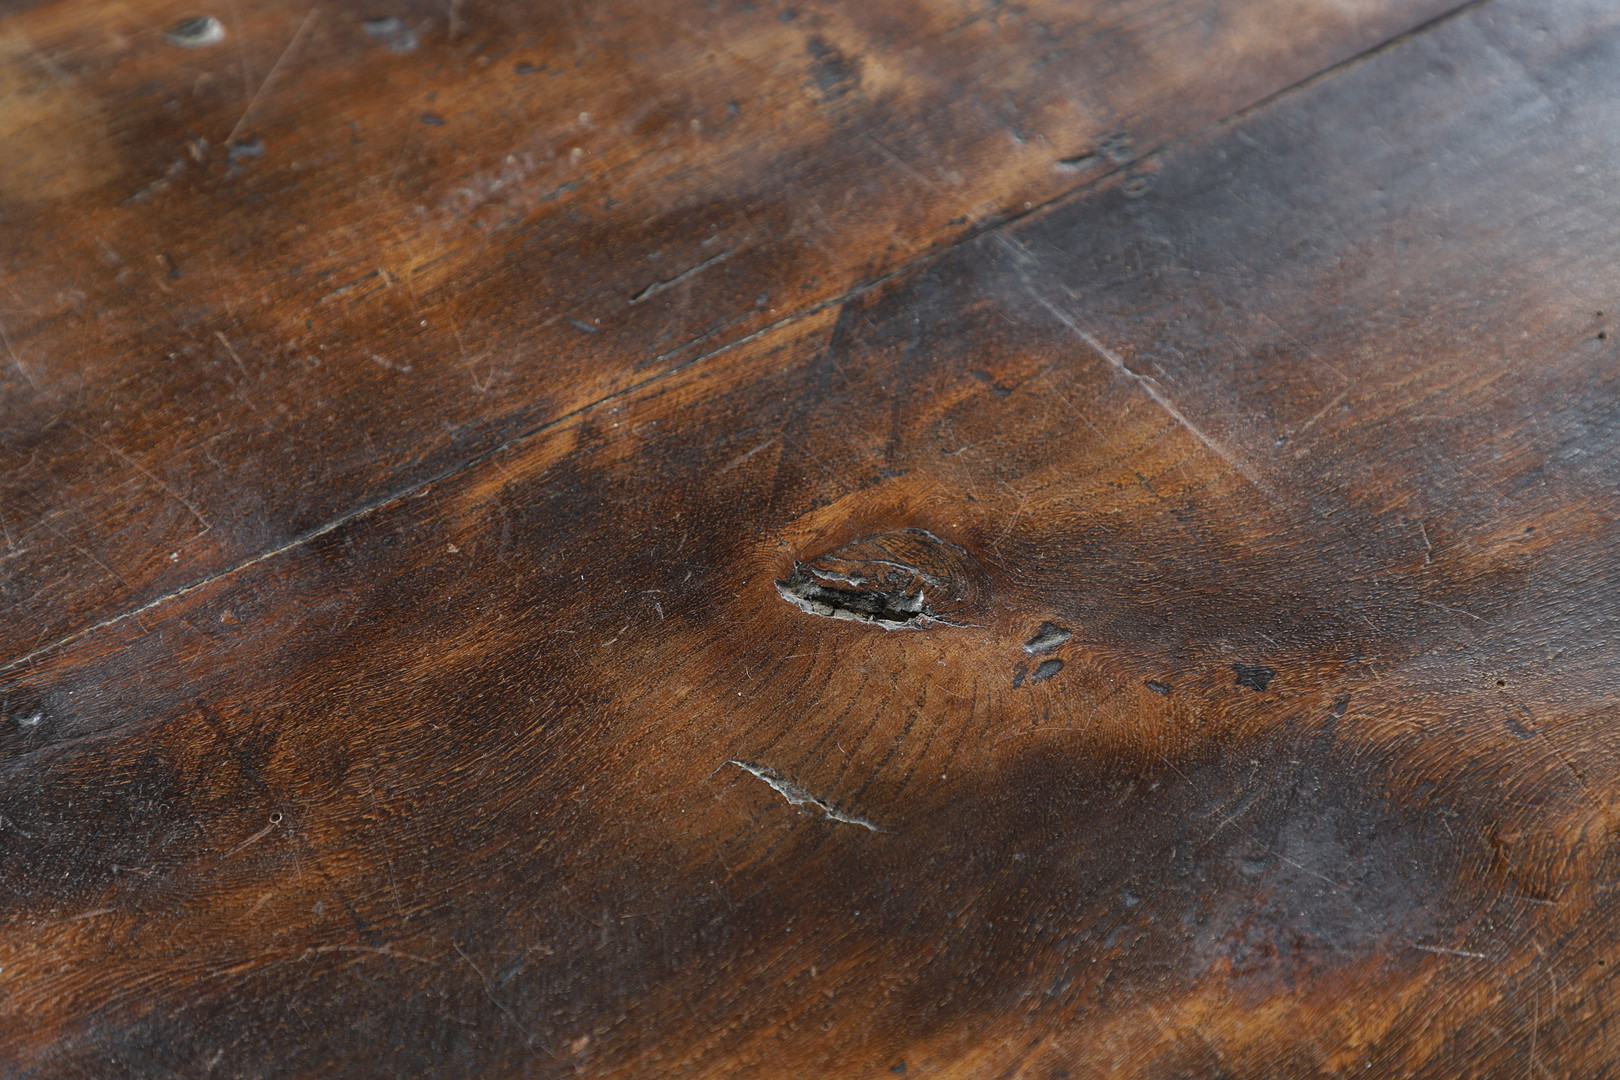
(251,289)
(1305,433)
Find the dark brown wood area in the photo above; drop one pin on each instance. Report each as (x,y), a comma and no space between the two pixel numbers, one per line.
(947,539)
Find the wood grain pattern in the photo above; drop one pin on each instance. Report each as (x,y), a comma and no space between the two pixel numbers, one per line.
(1268,490)
(250,289)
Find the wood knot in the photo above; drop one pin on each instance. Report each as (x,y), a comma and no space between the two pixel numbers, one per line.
(903,580)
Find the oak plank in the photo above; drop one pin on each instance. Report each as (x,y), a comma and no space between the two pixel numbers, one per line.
(249,289)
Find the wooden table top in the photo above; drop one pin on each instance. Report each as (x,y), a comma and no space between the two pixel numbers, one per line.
(956,538)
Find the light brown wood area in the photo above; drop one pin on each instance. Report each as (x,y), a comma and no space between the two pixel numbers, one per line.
(954,539)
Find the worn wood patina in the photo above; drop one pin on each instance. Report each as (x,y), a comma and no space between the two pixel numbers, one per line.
(694,540)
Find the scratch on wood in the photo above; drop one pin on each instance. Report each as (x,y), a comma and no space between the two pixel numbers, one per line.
(149,474)
(16,361)
(797,796)
(376,950)
(246,378)
(80,917)
(260,835)
(1451,952)
(479,386)
(292,45)
(900,162)
(1452,610)
(1147,384)
(388,281)
(87,553)
(1323,411)
(660,286)
(528,1040)
(1021,257)
(745,455)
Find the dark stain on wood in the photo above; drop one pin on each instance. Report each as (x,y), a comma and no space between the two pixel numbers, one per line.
(1046,669)
(1253,676)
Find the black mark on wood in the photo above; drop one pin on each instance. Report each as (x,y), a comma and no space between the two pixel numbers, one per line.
(835,73)
(1254,676)
(244,150)
(1047,669)
(990,380)
(1117,147)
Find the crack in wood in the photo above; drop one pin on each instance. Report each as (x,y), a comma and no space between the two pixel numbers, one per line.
(797,796)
